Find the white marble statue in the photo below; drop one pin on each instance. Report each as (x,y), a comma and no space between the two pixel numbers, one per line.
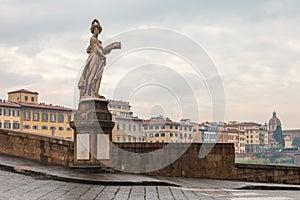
(90,80)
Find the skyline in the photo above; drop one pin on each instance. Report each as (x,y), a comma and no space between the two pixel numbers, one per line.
(151,116)
(254,46)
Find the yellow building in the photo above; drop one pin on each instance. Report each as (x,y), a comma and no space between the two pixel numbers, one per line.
(37,117)
(255,135)
(164,130)
(9,115)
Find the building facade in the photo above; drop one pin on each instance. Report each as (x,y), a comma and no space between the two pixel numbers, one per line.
(10,115)
(23,112)
(127,127)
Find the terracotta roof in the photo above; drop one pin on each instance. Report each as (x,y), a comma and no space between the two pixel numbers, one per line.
(9,104)
(129,118)
(23,91)
(293,131)
(159,122)
(242,124)
(45,106)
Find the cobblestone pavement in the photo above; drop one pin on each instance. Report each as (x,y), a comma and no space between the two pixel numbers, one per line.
(17,186)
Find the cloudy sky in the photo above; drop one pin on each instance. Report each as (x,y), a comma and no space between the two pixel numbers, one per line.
(253,47)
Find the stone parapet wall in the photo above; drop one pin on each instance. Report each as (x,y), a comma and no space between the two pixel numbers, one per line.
(37,147)
(266,173)
(218,164)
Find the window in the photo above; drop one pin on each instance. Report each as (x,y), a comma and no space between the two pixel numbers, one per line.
(185,128)
(156,127)
(151,127)
(44,127)
(176,134)
(146,127)
(52,128)
(123,127)
(60,128)
(52,117)
(180,135)
(69,129)
(7,112)
(44,116)
(26,126)
(171,134)
(0,124)
(176,127)
(190,128)
(156,135)
(35,127)
(7,124)
(26,115)
(0,111)
(134,127)
(162,135)
(26,98)
(185,135)
(16,125)
(129,127)
(171,127)
(60,117)
(16,113)
(32,99)
(36,116)
(69,117)
(118,128)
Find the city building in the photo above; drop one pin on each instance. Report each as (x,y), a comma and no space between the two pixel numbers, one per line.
(290,135)
(252,137)
(160,129)
(23,112)
(10,115)
(128,128)
(274,121)
(210,132)
(235,136)
(164,130)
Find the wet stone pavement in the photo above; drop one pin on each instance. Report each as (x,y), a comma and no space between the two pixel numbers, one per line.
(18,186)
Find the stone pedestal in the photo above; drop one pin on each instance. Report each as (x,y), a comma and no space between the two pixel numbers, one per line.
(92,132)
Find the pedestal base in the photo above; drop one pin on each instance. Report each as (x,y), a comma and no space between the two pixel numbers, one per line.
(92,132)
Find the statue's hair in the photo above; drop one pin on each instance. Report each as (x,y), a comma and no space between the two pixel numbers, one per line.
(94,25)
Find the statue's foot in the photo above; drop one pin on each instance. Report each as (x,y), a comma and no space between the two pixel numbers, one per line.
(100,96)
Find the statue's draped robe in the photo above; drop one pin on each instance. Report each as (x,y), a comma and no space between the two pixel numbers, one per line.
(92,74)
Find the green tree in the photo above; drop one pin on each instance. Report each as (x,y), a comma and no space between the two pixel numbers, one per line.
(277,135)
(296,142)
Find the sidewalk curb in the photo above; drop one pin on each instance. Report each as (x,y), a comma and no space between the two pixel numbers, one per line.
(48,176)
(268,187)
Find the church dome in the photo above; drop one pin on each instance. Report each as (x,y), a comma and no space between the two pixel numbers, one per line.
(274,122)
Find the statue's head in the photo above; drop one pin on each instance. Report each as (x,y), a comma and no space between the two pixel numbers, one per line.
(96,23)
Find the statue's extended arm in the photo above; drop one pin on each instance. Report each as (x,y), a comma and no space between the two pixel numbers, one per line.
(108,48)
